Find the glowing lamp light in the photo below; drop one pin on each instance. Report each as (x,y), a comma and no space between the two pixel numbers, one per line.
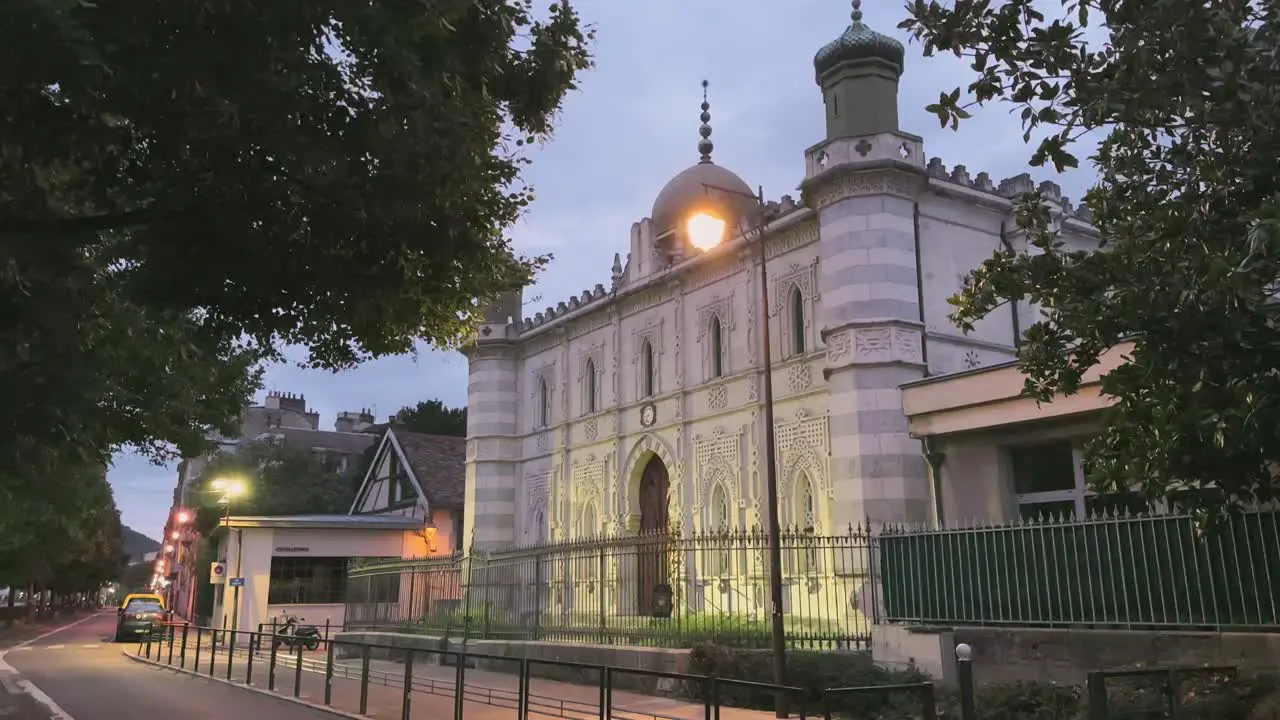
(168,548)
(173,535)
(706,231)
(183,517)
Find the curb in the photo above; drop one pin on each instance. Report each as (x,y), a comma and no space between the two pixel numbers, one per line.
(297,701)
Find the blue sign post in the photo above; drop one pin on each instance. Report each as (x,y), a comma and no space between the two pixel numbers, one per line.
(237,582)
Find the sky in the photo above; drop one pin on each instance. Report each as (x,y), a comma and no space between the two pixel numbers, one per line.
(630,127)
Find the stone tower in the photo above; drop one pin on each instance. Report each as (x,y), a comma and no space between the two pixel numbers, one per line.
(863,180)
(492,420)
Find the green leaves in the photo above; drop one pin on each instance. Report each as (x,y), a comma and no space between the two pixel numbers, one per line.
(186,187)
(1181,95)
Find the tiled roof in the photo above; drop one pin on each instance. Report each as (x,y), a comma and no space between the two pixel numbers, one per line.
(439,463)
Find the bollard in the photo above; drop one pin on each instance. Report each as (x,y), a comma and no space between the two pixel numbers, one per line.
(964,675)
(150,629)
(364,679)
(408,686)
(328,675)
(297,670)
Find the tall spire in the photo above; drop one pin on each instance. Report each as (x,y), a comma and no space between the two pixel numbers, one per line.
(704,145)
(856,16)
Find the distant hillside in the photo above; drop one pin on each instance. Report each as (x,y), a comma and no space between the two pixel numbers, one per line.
(137,545)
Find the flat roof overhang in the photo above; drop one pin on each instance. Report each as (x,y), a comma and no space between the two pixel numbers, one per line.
(993,397)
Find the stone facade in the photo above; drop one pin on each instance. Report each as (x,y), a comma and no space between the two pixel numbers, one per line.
(570,409)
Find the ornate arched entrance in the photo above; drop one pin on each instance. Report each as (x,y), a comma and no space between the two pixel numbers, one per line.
(655,483)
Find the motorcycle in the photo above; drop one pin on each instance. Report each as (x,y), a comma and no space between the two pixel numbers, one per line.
(293,634)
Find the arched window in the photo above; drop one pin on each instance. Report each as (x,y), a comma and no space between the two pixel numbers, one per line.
(720,523)
(540,527)
(589,387)
(716,333)
(589,522)
(648,370)
(795,302)
(806,520)
(544,403)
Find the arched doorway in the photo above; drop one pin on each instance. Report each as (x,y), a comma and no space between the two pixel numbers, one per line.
(654,517)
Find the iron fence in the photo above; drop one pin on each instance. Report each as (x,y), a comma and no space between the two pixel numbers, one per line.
(655,590)
(1116,571)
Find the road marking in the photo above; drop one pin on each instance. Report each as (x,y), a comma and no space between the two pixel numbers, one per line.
(95,646)
(55,647)
(9,676)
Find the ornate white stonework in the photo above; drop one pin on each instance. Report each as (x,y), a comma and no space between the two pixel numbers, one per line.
(877,344)
(569,407)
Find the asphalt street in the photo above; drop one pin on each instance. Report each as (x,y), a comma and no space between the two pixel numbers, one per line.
(80,675)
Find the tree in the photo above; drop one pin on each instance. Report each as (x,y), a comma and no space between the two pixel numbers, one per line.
(185,187)
(278,481)
(66,537)
(1184,95)
(433,417)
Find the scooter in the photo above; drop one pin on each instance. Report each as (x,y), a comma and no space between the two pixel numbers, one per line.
(292,634)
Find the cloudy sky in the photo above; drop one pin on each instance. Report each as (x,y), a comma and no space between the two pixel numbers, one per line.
(633,125)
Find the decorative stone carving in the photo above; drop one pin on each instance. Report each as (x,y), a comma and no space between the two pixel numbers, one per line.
(804,445)
(718,460)
(538,519)
(720,308)
(879,182)
(753,389)
(471,450)
(718,398)
(867,345)
(590,429)
(839,347)
(543,441)
(587,481)
(799,377)
(648,445)
(651,333)
(804,277)
(971,360)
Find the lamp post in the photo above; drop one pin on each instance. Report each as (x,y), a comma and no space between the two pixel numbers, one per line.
(231,489)
(706,230)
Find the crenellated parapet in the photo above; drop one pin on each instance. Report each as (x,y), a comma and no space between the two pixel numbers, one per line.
(599,295)
(1008,188)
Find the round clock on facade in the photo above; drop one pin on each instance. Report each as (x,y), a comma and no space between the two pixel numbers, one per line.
(648,415)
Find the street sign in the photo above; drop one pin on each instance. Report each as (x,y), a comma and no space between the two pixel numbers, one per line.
(236,582)
(218,573)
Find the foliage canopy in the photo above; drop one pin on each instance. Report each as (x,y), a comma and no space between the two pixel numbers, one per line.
(1183,95)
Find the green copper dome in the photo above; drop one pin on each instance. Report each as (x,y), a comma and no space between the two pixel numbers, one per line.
(858,42)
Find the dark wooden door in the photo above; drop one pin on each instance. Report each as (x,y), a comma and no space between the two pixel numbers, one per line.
(654,483)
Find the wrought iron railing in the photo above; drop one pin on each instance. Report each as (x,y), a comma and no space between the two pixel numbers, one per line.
(658,590)
(1115,571)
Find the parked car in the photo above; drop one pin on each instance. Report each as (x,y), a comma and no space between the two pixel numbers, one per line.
(139,613)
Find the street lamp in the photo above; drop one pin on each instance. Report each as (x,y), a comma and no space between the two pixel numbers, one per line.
(231,488)
(706,230)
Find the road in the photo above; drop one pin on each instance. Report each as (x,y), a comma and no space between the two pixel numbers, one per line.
(79,675)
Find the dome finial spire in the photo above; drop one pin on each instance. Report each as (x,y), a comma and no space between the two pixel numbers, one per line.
(857,12)
(704,145)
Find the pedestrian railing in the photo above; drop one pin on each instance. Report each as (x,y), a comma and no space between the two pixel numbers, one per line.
(241,655)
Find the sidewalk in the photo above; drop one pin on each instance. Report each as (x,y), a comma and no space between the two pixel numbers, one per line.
(23,630)
(487,695)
